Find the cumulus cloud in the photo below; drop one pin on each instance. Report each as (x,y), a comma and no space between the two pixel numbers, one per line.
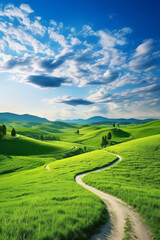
(51,64)
(22,15)
(110,76)
(102,95)
(144,48)
(52,55)
(45,81)
(145,58)
(70,101)
(108,40)
(26,8)
(14,62)
(14,45)
(143,64)
(75,41)
(58,37)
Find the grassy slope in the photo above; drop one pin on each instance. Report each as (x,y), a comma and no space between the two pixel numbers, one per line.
(41,204)
(12,164)
(118,136)
(40,186)
(145,130)
(27,146)
(136,178)
(34,130)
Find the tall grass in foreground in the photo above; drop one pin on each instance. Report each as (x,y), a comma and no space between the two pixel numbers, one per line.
(38,204)
(136,179)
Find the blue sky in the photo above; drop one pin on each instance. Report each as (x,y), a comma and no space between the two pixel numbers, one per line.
(66,59)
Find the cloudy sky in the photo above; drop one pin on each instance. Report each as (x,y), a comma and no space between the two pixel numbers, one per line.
(67,59)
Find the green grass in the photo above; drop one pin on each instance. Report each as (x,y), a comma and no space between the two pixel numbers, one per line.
(118,136)
(12,164)
(135,179)
(44,205)
(27,146)
(127,230)
(145,129)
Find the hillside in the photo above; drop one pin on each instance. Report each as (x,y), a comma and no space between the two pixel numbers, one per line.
(135,179)
(27,146)
(145,129)
(48,199)
(6,116)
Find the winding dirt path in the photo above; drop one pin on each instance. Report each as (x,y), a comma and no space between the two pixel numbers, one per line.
(119,212)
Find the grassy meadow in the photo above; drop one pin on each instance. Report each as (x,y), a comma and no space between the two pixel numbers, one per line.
(41,204)
(135,179)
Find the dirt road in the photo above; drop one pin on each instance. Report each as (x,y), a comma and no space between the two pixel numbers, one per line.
(120,215)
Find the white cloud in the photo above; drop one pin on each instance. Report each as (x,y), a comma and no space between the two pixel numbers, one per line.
(26,8)
(142,64)
(14,45)
(99,95)
(21,14)
(78,60)
(144,48)
(2,45)
(110,76)
(73,29)
(75,41)
(88,31)
(54,23)
(106,40)
(57,37)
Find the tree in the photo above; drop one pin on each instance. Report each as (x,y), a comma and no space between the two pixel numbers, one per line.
(13,132)
(117,124)
(77,131)
(109,136)
(113,124)
(1,129)
(41,137)
(104,141)
(1,136)
(85,148)
(1,132)
(4,129)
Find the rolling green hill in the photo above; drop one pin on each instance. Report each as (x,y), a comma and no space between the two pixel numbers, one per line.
(145,129)
(27,146)
(136,178)
(42,204)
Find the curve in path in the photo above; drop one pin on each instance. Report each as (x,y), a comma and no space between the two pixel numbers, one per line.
(47,166)
(119,213)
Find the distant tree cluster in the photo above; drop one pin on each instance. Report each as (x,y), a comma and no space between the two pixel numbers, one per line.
(3,131)
(105,140)
(48,137)
(114,125)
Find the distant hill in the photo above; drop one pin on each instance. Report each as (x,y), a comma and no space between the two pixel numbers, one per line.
(101,119)
(6,116)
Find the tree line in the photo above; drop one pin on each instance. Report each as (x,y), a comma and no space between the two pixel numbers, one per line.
(106,139)
(3,131)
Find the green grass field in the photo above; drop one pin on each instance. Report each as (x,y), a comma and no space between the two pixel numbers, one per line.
(41,204)
(23,146)
(136,179)
(44,205)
